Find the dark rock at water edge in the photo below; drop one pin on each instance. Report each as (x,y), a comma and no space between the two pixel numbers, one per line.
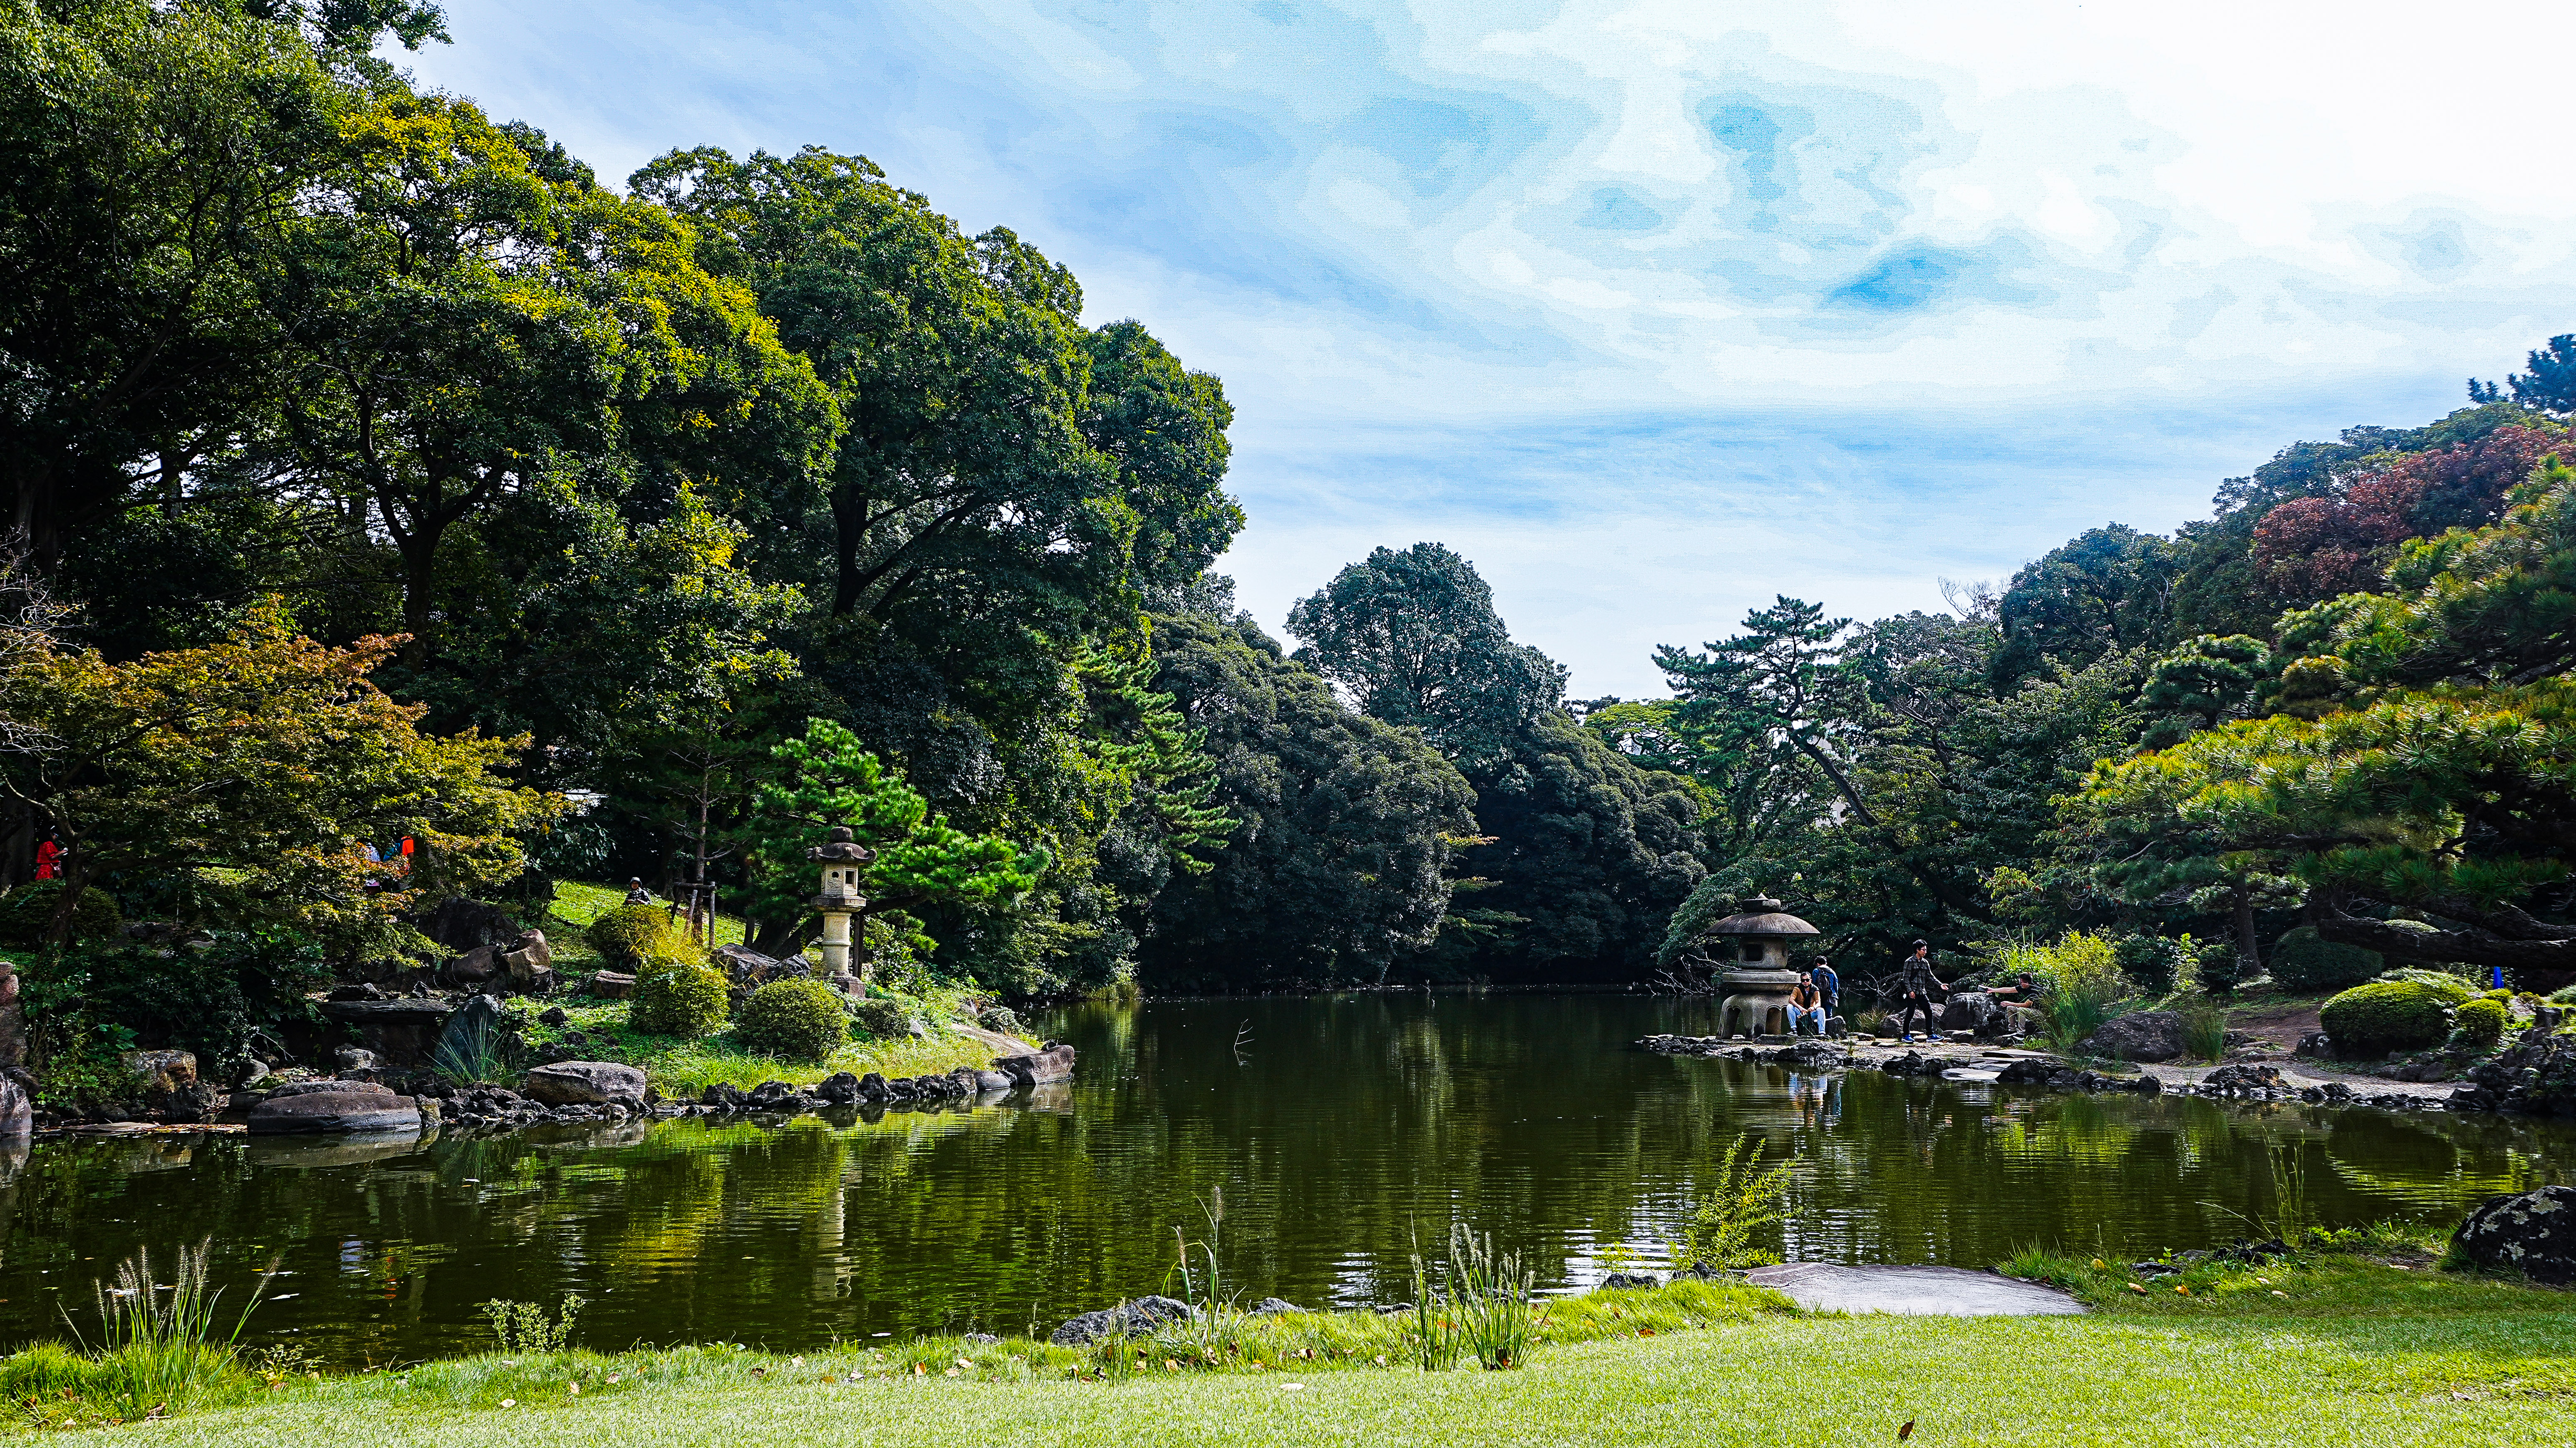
(1629,1281)
(2137,1036)
(403,1033)
(585,1083)
(2533,1233)
(2058,1076)
(1054,1063)
(1273,1307)
(1127,1319)
(2536,1076)
(463,925)
(354,1106)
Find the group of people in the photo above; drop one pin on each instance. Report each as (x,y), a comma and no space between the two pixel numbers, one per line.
(1817,997)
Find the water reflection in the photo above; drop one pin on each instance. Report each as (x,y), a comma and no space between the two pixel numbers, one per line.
(1342,1130)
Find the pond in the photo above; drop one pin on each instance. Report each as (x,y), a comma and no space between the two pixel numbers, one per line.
(1338,1132)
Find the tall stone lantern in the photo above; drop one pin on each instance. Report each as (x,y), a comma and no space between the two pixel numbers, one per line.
(1754,946)
(842,859)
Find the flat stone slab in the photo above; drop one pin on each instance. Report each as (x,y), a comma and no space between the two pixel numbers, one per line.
(1913,1291)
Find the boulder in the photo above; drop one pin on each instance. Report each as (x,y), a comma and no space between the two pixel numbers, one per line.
(13,1022)
(163,1071)
(585,1083)
(552,1016)
(1127,1319)
(351,1107)
(17,1113)
(2534,1234)
(2137,1036)
(993,1081)
(1055,1063)
(1629,1281)
(531,966)
(357,1058)
(745,966)
(1273,1307)
(403,1033)
(465,925)
(613,985)
(840,1089)
(475,969)
(722,1096)
(360,991)
(1975,1012)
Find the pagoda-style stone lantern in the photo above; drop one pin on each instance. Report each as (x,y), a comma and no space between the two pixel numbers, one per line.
(842,860)
(1752,948)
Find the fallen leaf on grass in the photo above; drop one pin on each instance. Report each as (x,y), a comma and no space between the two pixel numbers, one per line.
(2136,1288)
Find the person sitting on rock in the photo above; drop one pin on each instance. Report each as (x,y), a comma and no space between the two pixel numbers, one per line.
(1915,988)
(1805,1004)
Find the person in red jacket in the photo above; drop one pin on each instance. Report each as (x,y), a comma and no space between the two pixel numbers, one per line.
(49,860)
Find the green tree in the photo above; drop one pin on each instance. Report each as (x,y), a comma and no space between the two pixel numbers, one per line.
(1413,638)
(1337,868)
(2109,589)
(828,781)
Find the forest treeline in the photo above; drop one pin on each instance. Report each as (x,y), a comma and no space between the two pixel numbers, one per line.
(380,474)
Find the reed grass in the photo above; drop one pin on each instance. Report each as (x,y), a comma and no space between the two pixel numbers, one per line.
(161,1349)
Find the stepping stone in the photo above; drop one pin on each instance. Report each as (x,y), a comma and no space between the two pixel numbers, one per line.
(1912,1291)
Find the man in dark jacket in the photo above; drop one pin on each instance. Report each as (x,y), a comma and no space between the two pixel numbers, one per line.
(1917,988)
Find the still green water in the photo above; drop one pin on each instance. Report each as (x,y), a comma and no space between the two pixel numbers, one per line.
(1341,1130)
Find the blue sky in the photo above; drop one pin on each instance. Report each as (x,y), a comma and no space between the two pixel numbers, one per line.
(1655,311)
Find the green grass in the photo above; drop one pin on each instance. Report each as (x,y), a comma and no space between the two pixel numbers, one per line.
(686,1068)
(2363,1349)
(577,904)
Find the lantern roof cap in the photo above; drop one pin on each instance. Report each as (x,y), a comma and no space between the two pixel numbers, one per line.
(843,847)
(1762,915)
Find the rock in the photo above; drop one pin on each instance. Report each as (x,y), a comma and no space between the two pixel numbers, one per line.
(2315,1044)
(2241,1080)
(1273,1307)
(613,985)
(357,1058)
(1974,1012)
(187,1104)
(722,1096)
(743,965)
(993,1081)
(840,1089)
(980,1338)
(585,1083)
(249,1077)
(403,1033)
(873,1087)
(2534,1234)
(466,925)
(779,1096)
(362,991)
(351,1107)
(1055,1063)
(552,1016)
(1629,1281)
(475,969)
(2535,1076)
(2137,1036)
(1911,1063)
(13,1022)
(163,1071)
(17,1113)
(530,964)
(1127,1319)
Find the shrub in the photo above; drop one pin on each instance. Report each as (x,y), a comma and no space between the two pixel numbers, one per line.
(2156,964)
(629,935)
(2386,1015)
(27,910)
(676,997)
(794,1020)
(1742,1199)
(2305,961)
(881,1018)
(2478,1024)
(216,996)
(2204,1029)
(2451,986)
(2079,977)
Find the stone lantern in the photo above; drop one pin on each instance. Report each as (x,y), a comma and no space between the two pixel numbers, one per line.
(1752,947)
(842,859)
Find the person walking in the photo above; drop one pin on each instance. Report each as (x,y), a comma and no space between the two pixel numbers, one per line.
(1916,987)
(1829,986)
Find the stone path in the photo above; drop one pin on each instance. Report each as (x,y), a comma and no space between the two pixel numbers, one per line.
(1913,1291)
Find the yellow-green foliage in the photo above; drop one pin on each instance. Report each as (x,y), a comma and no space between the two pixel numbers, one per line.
(676,997)
(629,935)
(798,1020)
(2386,1015)
(2480,1022)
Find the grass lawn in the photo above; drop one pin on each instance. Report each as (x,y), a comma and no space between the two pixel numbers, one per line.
(2357,1349)
(687,1068)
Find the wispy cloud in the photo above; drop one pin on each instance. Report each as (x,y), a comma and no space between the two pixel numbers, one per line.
(1657,309)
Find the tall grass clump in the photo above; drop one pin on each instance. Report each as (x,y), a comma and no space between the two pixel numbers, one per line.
(1741,1199)
(160,1350)
(526,1327)
(2204,1029)
(2079,979)
(1482,1305)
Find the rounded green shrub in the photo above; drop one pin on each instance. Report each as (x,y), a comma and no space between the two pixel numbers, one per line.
(2450,985)
(26,911)
(794,1020)
(2305,961)
(677,998)
(2386,1015)
(629,935)
(881,1018)
(2479,1023)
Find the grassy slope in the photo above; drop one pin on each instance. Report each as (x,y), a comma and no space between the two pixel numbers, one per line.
(2357,1352)
(686,1068)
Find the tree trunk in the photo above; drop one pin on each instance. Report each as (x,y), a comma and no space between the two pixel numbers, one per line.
(2249,945)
